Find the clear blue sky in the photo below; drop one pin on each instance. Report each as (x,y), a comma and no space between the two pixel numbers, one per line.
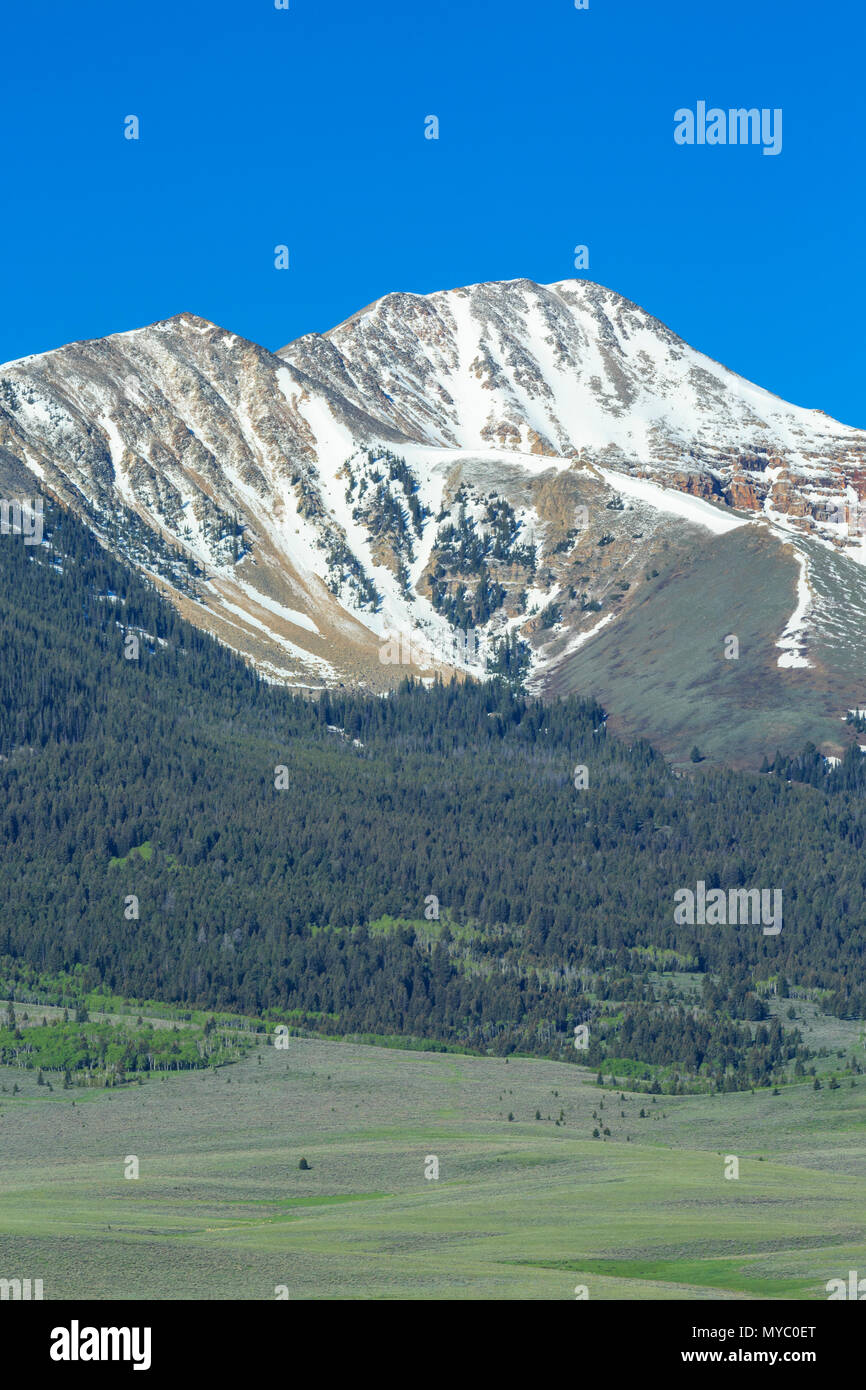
(306,127)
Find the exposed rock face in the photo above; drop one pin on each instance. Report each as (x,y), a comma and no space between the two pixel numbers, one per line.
(435,462)
(785,497)
(696,484)
(742,493)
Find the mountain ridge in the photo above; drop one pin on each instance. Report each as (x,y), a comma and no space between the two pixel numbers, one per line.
(479,459)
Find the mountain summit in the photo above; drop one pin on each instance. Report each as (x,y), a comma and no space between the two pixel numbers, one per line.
(547,464)
(551,369)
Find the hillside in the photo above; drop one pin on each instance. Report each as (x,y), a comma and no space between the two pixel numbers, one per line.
(428,865)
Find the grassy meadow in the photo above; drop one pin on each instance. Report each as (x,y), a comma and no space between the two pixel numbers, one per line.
(523,1208)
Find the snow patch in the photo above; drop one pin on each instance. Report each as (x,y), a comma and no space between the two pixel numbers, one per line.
(667,499)
(793,640)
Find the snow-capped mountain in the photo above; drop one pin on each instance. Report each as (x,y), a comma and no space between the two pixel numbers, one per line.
(554,369)
(508,458)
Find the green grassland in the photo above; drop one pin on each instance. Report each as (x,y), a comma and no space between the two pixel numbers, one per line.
(524,1208)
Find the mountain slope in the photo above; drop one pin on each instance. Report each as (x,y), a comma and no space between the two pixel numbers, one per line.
(554,369)
(504,460)
(153,781)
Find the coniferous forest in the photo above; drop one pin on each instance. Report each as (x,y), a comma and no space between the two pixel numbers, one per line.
(426,867)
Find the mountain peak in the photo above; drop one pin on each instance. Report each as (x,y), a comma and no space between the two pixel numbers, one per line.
(183,322)
(547,369)
(423,468)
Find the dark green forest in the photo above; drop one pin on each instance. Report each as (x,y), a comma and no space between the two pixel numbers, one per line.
(156,779)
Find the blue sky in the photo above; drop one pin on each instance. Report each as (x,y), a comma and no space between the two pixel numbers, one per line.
(305,127)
